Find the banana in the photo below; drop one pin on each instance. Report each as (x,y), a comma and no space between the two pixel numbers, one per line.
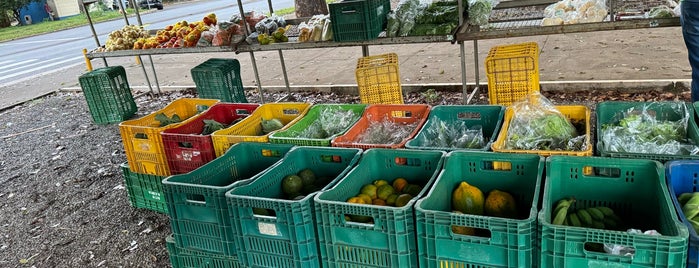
(684,197)
(566,222)
(585,217)
(559,215)
(574,220)
(597,224)
(606,211)
(596,213)
(610,223)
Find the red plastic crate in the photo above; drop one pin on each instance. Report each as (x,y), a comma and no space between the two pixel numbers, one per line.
(186,149)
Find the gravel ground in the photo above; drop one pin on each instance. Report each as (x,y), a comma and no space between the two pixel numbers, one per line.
(62,195)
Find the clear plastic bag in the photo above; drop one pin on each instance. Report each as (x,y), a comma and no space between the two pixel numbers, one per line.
(385,131)
(623,250)
(479,11)
(453,135)
(537,124)
(575,11)
(639,131)
(660,12)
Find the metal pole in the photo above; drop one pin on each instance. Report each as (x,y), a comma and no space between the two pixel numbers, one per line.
(365,51)
(150,58)
(123,9)
(92,27)
(475,60)
(462,51)
(252,54)
(281,59)
(145,74)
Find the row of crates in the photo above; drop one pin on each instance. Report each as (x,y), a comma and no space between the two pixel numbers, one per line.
(180,148)
(213,220)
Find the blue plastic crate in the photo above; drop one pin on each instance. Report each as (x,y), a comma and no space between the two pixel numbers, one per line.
(683,177)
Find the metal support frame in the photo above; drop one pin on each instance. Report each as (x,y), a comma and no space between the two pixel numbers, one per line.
(252,54)
(150,58)
(92,27)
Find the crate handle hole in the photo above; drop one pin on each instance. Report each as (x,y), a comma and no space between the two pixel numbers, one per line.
(141,136)
(360,220)
(404,161)
(270,153)
(264,212)
(470,231)
(402,114)
(242,112)
(331,158)
(290,111)
(196,199)
(603,172)
(184,144)
(349,11)
(497,165)
(469,116)
(618,251)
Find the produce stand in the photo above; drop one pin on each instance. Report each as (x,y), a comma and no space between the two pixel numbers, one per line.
(510,27)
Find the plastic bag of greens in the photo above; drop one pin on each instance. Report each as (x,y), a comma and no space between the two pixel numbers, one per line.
(660,12)
(456,134)
(385,131)
(479,11)
(537,124)
(406,14)
(393,25)
(641,131)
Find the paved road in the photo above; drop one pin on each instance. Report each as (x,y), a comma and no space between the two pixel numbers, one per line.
(25,58)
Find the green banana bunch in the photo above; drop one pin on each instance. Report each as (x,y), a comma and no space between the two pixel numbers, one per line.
(561,211)
(690,208)
(594,217)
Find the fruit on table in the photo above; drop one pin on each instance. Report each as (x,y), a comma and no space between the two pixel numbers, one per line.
(125,38)
(500,204)
(468,199)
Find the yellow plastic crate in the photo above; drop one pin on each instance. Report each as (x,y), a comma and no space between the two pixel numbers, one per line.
(572,112)
(512,71)
(378,79)
(143,144)
(249,128)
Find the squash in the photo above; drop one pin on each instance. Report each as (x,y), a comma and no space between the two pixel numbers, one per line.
(467,199)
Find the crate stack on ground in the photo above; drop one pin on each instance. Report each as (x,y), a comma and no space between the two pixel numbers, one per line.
(274,228)
(219,78)
(146,164)
(199,215)
(108,95)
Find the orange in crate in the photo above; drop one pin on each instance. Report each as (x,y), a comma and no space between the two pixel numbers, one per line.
(143,143)
(378,79)
(250,128)
(395,113)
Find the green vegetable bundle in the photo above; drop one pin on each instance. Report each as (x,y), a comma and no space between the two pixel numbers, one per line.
(690,207)
(385,132)
(331,121)
(453,135)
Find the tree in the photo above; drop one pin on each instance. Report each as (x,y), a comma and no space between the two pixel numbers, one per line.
(15,6)
(308,8)
(4,19)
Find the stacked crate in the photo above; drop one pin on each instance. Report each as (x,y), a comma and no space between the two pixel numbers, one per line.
(108,95)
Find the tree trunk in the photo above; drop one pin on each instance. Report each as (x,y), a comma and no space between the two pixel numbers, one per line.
(308,8)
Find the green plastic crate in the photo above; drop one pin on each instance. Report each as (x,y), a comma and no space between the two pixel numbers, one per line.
(196,200)
(357,20)
(635,189)
(290,135)
(610,112)
(219,79)
(108,95)
(509,242)
(489,117)
(144,190)
(390,241)
(287,239)
(187,258)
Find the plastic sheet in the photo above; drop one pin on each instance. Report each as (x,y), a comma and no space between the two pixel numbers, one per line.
(538,125)
(385,131)
(639,131)
(660,12)
(623,250)
(574,11)
(453,135)
(479,11)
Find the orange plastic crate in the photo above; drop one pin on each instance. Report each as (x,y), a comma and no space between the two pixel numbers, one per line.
(249,128)
(143,143)
(397,113)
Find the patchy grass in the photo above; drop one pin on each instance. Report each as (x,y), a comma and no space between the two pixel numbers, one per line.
(15,32)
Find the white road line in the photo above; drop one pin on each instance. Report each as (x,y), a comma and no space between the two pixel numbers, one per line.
(30,65)
(44,41)
(15,64)
(7,61)
(39,68)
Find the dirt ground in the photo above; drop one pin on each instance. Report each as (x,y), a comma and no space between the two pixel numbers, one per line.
(62,195)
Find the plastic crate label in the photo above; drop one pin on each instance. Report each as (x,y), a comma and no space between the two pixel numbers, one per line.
(143,146)
(497,165)
(189,155)
(154,196)
(267,228)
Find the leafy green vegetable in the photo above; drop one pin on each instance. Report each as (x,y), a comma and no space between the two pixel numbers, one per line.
(551,131)
(479,12)
(452,135)
(165,120)
(385,132)
(271,125)
(210,126)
